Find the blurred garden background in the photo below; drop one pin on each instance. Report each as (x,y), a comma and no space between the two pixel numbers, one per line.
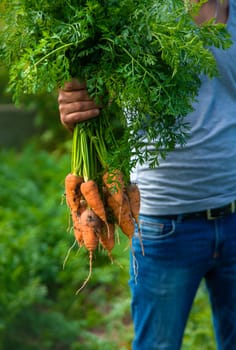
(40,268)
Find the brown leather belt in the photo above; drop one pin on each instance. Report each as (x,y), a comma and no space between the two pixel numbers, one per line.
(210,214)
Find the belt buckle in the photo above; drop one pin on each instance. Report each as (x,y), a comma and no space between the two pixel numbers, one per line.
(213,217)
(210,216)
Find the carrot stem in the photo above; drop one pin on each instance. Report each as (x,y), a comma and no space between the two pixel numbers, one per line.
(76,157)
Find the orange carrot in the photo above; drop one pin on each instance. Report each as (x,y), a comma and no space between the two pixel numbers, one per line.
(90,226)
(90,191)
(133,193)
(122,215)
(77,229)
(75,215)
(74,202)
(72,191)
(114,206)
(115,185)
(126,220)
(114,191)
(107,238)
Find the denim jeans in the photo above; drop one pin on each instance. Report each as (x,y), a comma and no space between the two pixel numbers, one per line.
(179,254)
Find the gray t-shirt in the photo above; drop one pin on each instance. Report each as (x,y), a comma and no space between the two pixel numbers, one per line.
(202,174)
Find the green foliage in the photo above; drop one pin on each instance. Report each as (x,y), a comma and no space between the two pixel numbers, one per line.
(4,96)
(146,56)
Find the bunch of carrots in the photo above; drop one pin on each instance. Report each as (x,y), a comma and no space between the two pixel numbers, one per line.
(100,200)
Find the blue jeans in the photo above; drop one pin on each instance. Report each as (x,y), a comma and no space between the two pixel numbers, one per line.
(164,282)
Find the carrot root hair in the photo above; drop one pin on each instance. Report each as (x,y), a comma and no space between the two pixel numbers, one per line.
(89,274)
(68,254)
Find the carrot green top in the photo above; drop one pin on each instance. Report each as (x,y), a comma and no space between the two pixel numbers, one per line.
(145,56)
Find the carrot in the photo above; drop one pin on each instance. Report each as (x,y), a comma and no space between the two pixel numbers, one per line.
(77,222)
(133,194)
(75,215)
(90,191)
(122,215)
(114,206)
(73,199)
(72,191)
(107,239)
(114,183)
(90,226)
(126,219)
(114,191)
(77,229)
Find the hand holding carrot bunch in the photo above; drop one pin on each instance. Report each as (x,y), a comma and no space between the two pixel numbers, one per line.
(100,199)
(75,105)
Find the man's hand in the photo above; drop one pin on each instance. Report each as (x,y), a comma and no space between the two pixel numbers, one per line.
(75,105)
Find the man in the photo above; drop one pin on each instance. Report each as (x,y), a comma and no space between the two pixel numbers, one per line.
(187,216)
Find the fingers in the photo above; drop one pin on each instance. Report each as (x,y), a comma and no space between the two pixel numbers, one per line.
(75,105)
(76,112)
(69,96)
(74,84)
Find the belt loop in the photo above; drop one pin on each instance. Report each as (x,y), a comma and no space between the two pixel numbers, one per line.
(179,218)
(209,216)
(233,207)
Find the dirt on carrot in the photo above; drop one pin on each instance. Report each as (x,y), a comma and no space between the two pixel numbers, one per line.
(77,229)
(114,183)
(122,214)
(126,219)
(107,238)
(72,191)
(90,192)
(133,194)
(75,203)
(91,227)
